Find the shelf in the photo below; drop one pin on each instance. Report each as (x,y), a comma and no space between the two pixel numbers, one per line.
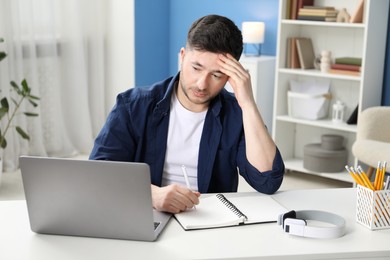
(325,24)
(297,165)
(319,74)
(366,40)
(323,123)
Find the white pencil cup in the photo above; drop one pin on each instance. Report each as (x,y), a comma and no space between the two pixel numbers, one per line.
(373,208)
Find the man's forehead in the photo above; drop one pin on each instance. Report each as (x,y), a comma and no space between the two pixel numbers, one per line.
(205,59)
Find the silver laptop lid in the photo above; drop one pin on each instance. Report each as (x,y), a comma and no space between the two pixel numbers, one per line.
(89,198)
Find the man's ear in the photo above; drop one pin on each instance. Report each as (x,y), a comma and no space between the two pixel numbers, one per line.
(182,54)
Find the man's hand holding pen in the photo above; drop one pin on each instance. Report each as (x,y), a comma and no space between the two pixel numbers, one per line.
(174,198)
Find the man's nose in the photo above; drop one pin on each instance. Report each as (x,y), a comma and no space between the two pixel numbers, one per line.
(202,81)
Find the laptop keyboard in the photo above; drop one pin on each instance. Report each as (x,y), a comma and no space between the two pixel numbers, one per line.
(156,224)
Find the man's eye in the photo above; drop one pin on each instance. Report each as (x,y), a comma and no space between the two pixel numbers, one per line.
(217,76)
(195,68)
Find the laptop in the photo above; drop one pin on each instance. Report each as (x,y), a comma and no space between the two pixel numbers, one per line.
(91,198)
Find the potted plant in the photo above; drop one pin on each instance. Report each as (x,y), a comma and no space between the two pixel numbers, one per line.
(9,112)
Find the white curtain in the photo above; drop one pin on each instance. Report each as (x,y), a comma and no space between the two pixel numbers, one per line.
(58,46)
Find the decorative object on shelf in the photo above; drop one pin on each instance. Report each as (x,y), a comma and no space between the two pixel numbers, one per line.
(357,16)
(253,36)
(338,112)
(8,112)
(325,61)
(352,120)
(328,156)
(317,62)
(343,16)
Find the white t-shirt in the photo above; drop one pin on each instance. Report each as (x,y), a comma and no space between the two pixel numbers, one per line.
(184,133)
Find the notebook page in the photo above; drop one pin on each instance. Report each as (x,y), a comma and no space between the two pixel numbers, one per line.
(209,213)
(258,208)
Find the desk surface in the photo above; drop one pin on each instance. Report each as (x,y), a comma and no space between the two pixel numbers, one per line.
(260,241)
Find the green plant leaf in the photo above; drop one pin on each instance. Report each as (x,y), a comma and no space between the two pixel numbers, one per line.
(2,55)
(25,88)
(4,104)
(30,114)
(22,133)
(16,88)
(3,112)
(33,97)
(33,103)
(3,143)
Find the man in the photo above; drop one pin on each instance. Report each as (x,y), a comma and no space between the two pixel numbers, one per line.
(189,124)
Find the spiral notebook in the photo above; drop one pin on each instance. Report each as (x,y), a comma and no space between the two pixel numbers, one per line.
(218,211)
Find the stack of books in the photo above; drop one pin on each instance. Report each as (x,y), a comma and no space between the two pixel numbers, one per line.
(347,66)
(318,13)
(293,7)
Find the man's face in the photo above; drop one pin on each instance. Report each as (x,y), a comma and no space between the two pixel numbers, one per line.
(200,79)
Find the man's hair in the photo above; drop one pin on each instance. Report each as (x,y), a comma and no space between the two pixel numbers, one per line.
(215,34)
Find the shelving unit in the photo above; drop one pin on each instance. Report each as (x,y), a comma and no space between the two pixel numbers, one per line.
(262,71)
(366,40)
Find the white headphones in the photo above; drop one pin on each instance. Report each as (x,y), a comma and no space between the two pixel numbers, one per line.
(294,223)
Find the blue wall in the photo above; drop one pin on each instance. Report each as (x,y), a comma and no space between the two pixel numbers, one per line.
(151,41)
(162,25)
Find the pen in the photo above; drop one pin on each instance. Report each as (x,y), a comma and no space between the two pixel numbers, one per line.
(184,171)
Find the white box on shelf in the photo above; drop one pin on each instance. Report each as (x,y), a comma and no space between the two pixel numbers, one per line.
(308,106)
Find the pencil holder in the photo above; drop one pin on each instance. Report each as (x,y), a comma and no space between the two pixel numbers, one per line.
(373,208)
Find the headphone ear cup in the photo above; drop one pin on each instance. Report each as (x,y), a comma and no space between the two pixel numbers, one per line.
(291,215)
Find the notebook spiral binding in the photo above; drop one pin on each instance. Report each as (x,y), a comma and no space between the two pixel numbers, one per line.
(231,206)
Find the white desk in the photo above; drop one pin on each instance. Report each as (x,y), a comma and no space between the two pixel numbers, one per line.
(261,241)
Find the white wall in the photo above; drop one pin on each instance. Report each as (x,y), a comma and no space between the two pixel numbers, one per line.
(120,49)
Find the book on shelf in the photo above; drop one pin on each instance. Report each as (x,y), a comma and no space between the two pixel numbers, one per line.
(314,12)
(349,61)
(218,211)
(316,18)
(317,7)
(344,72)
(305,53)
(346,67)
(292,54)
(293,7)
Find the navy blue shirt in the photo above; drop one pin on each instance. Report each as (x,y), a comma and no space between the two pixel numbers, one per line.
(136,130)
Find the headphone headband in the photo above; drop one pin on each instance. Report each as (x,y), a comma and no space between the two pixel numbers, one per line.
(294,223)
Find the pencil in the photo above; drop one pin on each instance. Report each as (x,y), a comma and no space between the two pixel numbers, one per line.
(365,178)
(377,175)
(382,176)
(354,176)
(360,180)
